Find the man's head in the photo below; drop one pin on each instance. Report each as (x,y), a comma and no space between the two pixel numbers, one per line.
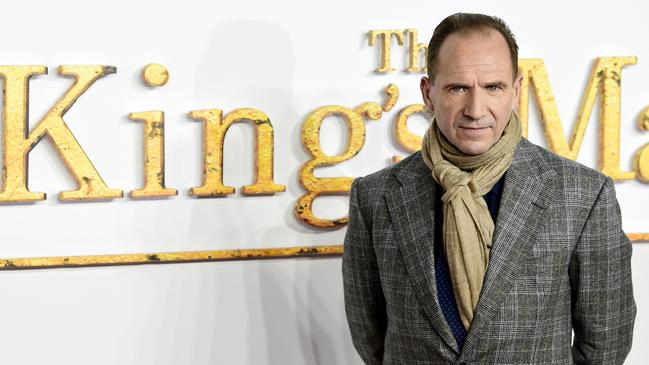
(473,83)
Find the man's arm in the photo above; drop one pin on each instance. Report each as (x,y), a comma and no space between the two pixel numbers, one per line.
(603,309)
(364,301)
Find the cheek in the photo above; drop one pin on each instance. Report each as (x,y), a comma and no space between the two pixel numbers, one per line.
(449,109)
(501,122)
(444,120)
(503,109)
(509,102)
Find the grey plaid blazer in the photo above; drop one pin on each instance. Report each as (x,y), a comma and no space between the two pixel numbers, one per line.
(560,262)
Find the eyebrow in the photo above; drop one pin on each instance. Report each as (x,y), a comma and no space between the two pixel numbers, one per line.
(455,84)
(451,85)
(498,83)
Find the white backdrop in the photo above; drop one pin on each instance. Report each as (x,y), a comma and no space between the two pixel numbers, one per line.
(286,59)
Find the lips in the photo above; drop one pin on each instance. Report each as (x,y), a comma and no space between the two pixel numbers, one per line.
(474,127)
(473,131)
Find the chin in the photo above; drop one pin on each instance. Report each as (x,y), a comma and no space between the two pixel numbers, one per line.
(473,149)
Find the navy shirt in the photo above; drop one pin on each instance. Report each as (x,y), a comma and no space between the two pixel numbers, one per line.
(445,295)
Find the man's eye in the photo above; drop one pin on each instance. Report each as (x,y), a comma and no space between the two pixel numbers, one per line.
(494,88)
(457,89)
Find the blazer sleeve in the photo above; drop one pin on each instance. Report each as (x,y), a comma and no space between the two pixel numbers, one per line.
(364,300)
(603,308)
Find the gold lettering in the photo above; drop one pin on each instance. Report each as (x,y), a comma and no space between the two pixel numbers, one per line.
(215,128)
(641,163)
(155,75)
(641,159)
(405,138)
(154,156)
(605,79)
(392,92)
(311,141)
(386,44)
(17,145)
(414,51)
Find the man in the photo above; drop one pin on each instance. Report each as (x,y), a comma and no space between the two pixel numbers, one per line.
(484,248)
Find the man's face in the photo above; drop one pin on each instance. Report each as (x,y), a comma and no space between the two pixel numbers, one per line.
(473,93)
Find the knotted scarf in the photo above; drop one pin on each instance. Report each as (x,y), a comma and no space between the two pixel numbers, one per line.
(468,226)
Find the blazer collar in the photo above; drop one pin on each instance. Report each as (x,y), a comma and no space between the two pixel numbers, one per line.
(412,211)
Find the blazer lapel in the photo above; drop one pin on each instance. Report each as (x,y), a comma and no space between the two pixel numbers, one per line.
(412,212)
(522,205)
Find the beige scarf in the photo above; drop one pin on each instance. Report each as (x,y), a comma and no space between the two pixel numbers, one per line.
(468,226)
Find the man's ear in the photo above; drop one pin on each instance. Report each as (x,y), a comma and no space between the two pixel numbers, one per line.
(517,91)
(425,86)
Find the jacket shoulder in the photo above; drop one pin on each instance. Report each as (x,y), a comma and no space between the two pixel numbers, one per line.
(570,176)
(562,165)
(387,178)
(369,191)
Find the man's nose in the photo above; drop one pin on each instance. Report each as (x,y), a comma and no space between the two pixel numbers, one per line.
(475,105)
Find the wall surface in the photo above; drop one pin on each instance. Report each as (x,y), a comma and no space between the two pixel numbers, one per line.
(287,59)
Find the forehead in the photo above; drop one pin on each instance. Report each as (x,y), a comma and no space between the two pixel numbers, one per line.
(476,53)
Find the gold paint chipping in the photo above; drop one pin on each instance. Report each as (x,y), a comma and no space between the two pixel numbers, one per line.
(316,186)
(155,75)
(154,156)
(605,79)
(169,257)
(384,38)
(17,142)
(415,52)
(215,127)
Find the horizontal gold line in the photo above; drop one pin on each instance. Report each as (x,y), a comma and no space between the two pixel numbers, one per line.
(638,237)
(168,257)
(189,256)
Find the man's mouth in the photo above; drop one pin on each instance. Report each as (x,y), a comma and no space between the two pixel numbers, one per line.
(473,131)
(474,127)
